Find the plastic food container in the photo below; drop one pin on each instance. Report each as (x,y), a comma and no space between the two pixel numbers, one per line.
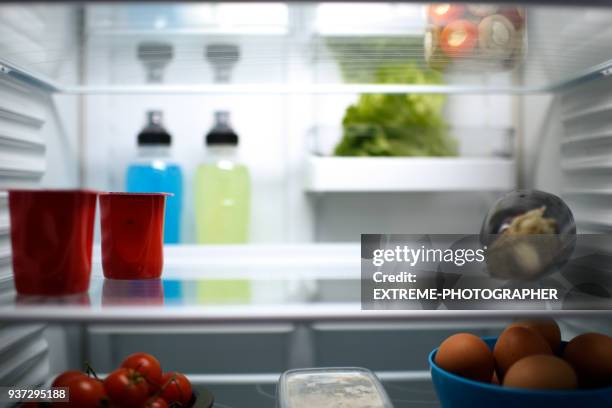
(458,392)
(331,388)
(52,238)
(475,37)
(132,235)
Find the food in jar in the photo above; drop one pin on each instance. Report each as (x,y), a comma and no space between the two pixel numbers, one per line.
(515,14)
(497,37)
(444,13)
(482,10)
(435,57)
(459,38)
(450,40)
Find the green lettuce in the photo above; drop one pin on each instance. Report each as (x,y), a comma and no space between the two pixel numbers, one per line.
(397,124)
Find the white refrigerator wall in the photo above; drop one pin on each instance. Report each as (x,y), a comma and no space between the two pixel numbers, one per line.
(39,146)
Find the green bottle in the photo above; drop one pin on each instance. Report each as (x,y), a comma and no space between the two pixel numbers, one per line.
(222,189)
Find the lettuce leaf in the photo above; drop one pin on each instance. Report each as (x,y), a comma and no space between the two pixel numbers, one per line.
(397,124)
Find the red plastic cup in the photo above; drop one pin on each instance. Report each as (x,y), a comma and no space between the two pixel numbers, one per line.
(132,235)
(52,240)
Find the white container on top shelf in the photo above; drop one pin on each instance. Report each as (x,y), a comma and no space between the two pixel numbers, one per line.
(484,163)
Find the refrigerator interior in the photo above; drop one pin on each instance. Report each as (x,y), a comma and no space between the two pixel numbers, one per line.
(73,97)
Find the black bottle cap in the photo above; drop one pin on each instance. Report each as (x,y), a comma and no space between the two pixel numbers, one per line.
(154,133)
(222,133)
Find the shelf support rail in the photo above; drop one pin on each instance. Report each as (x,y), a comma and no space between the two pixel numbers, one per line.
(17,74)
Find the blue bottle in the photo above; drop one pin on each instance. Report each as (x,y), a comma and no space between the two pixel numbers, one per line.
(153,172)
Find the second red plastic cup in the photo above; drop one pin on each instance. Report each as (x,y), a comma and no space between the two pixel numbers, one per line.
(132,235)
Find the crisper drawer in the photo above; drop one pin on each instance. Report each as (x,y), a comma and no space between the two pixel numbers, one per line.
(210,349)
(387,346)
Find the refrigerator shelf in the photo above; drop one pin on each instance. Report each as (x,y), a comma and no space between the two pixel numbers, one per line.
(256,314)
(378,174)
(272,378)
(229,285)
(456,86)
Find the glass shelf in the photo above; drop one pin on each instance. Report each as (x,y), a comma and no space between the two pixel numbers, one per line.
(158,302)
(228,285)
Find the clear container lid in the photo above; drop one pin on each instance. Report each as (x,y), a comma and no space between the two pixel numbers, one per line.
(331,388)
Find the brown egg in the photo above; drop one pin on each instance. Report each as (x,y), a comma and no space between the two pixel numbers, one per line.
(541,372)
(514,344)
(547,328)
(466,355)
(591,356)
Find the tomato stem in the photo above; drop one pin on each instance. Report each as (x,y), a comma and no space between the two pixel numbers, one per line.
(90,371)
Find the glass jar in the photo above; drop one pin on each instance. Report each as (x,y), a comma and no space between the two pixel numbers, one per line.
(475,37)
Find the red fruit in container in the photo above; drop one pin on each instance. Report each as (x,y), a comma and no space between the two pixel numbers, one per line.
(443,13)
(148,366)
(126,388)
(459,38)
(66,377)
(132,235)
(176,388)
(52,240)
(157,403)
(84,392)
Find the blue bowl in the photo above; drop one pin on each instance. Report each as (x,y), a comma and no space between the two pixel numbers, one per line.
(458,392)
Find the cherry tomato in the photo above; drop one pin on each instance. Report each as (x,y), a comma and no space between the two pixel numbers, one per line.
(64,378)
(443,13)
(157,403)
(459,38)
(176,388)
(148,366)
(126,388)
(85,392)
